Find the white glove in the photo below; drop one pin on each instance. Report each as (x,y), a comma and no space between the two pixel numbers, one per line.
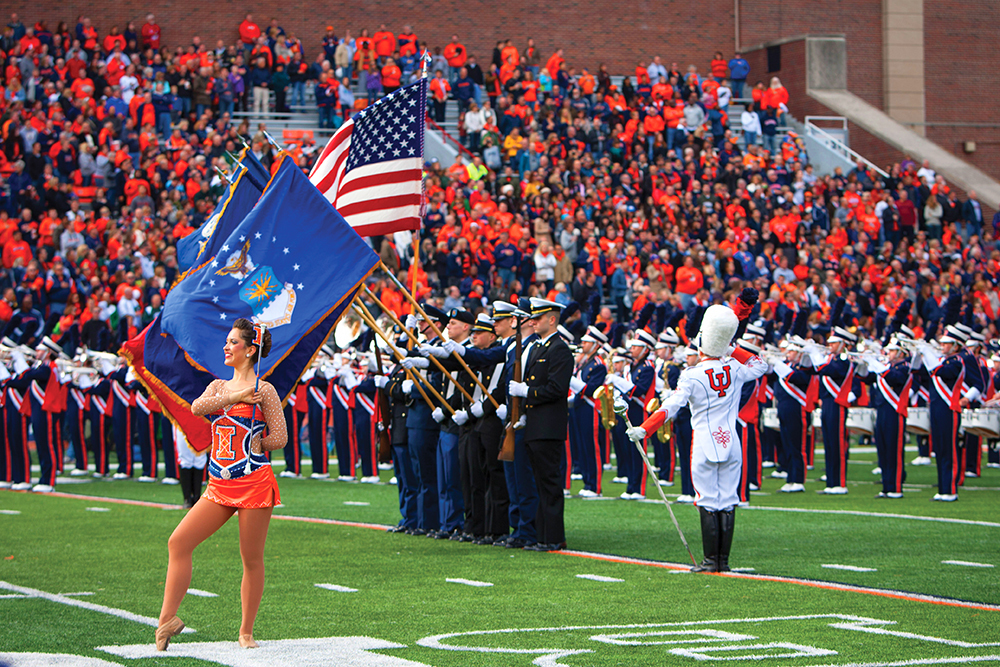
(851,397)
(432,351)
(476,409)
(805,361)
(577,385)
(915,361)
(451,346)
(349,380)
(411,322)
(407,386)
(862,368)
(381,381)
(621,384)
(636,433)
(517,389)
(20,365)
(415,362)
(460,417)
(502,411)
(571,400)
(521,423)
(438,415)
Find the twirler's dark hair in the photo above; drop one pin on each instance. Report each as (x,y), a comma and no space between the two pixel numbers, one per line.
(247,333)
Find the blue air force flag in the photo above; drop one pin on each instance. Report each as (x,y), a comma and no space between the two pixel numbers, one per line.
(293,264)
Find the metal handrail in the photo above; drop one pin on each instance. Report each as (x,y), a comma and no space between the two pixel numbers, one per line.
(447,137)
(835,144)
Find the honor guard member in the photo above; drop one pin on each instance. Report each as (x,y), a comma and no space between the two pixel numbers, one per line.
(17,412)
(891,400)
(293,418)
(146,423)
(637,387)
(363,416)
(837,375)
(101,407)
(406,478)
(747,422)
(518,473)
(587,377)
(47,396)
(123,402)
(978,382)
(712,390)
(317,413)
(546,389)
(341,381)
(486,502)
(791,395)
(77,407)
(421,428)
(946,377)
(451,501)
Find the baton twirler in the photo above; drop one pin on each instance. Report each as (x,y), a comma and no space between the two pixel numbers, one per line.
(621,409)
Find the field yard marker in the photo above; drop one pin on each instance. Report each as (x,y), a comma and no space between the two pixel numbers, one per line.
(744,569)
(13,597)
(96,509)
(597,577)
(335,587)
(356,503)
(201,594)
(850,568)
(965,563)
(70,602)
(470,582)
(76,594)
(886,515)
(11,512)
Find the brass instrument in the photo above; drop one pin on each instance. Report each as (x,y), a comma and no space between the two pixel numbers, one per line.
(605,396)
(663,433)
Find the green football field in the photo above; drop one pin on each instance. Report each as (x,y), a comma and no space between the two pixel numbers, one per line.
(824,580)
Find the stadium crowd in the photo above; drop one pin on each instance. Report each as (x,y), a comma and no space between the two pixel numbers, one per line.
(625,202)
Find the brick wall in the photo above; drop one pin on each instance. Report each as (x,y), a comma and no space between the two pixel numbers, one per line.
(616,33)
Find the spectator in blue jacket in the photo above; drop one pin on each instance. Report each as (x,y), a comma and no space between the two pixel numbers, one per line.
(619,289)
(463,89)
(508,259)
(739,69)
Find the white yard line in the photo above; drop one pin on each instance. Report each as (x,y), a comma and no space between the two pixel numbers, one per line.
(470,582)
(97,509)
(356,503)
(201,594)
(11,512)
(597,577)
(965,563)
(335,587)
(886,515)
(849,568)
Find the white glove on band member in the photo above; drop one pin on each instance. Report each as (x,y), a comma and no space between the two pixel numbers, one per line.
(571,401)
(460,417)
(381,381)
(517,389)
(621,384)
(407,386)
(476,409)
(410,322)
(915,361)
(438,415)
(636,433)
(577,385)
(502,412)
(862,368)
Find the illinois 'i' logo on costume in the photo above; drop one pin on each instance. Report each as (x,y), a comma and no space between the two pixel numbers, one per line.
(719,382)
(224,443)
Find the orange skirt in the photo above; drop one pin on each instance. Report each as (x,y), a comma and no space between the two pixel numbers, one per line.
(255,491)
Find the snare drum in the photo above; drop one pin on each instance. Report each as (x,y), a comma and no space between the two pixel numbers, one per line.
(769,419)
(860,420)
(918,421)
(983,422)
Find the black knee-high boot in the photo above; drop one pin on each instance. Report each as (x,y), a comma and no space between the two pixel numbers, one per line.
(197,477)
(184,476)
(726,523)
(709,541)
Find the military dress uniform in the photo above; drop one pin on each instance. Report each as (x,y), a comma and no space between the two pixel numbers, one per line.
(586,415)
(406,478)
(891,400)
(547,374)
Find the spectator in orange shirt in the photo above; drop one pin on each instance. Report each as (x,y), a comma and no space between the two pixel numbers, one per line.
(775,97)
(407,42)
(719,67)
(510,55)
(440,88)
(456,56)
(689,280)
(385,43)
(391,76)
(249,32)
(555,62)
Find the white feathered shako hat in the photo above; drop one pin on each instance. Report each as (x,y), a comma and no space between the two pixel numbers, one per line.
(718,327)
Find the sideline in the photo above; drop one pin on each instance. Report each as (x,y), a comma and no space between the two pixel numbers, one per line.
(610,558)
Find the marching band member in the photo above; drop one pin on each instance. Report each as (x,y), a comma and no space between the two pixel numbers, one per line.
(77,408)
(17,412)
(190,464)
(977,378)
(317,412)
(241,480)
(683,432)
(747,422)
(791,394)
(891,400)
(366,438)
(47,397)
(946,377)
(101,407)
(339,397)
(637,385)
(587,377)
(6,473)
(545,388)
(296,406)
(123,402)
(616,439)
(663,449)
(406,478)
(146,423)
(712,390)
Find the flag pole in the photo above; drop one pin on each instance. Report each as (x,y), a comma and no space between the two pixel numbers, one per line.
(425,60)
(259,340)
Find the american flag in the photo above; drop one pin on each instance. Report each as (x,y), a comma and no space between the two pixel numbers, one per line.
(371,169)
